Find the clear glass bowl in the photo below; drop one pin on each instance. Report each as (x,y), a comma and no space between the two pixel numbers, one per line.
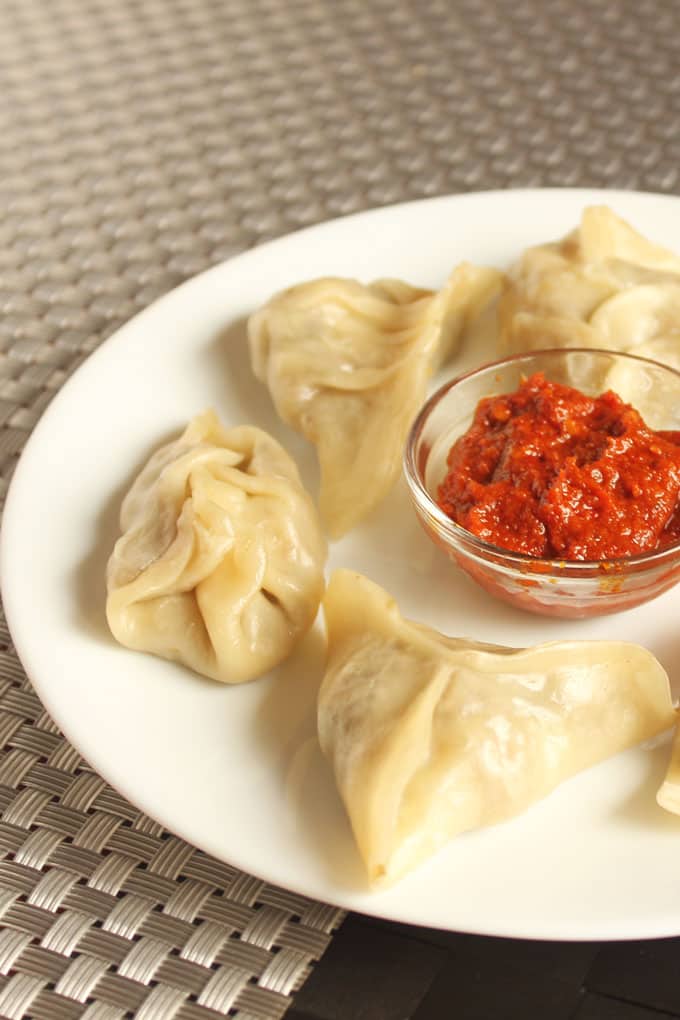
(549,587)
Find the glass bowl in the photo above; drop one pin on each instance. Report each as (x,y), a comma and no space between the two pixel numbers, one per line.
(545,586)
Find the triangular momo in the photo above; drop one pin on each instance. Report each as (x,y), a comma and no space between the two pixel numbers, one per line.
(347,365)
(430,736)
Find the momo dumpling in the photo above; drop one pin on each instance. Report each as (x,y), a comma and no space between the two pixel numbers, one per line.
(668,795)
(220,562)
(429,736)
(604,285)
(646,318)
(347,365)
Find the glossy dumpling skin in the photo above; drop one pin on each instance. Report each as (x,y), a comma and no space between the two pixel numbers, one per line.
(604,285)
(220,562)
(347,365)
(429,736)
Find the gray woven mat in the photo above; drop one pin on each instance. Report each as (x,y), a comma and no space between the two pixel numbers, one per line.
(140,142)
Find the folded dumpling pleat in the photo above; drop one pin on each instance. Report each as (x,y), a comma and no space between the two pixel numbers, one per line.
(347,365)
(605,236)
(429,736)
(604,285)
(220,562)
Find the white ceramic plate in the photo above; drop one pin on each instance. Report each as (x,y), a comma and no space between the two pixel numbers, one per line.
(237,770)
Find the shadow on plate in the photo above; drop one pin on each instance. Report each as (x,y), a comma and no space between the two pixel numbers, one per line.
(640,809)
(322,822)
(229,350)
(253,404)
(285,730)
(286,716)
(667,649)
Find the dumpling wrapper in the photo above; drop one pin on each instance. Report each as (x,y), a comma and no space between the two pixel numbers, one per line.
(347,366)
(604,236)
(220,562)
(430,736)
(604,285)
(668,795)
(644,321)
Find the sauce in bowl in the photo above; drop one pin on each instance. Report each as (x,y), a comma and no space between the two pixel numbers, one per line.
(550,472)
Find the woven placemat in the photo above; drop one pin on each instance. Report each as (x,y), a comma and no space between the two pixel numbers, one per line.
(141,142)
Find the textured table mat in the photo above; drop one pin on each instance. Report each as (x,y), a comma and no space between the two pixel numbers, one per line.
(140,142)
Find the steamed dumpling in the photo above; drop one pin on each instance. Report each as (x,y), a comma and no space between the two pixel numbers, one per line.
(646,318)
(430,736)
(604,285)
(347,366)
(220,564)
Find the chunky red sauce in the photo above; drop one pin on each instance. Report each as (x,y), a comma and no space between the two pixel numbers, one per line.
(551,472)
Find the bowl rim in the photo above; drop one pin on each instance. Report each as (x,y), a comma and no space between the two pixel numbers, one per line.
(486,550)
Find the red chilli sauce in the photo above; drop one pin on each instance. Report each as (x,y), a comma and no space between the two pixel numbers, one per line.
(552,473)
